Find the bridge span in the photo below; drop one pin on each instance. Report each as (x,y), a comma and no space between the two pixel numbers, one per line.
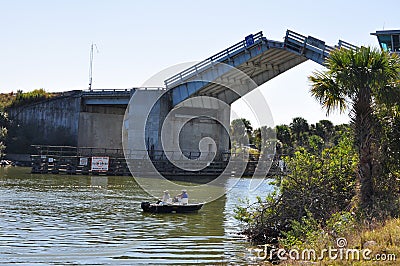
(225,77)
(259,58)
(95,118)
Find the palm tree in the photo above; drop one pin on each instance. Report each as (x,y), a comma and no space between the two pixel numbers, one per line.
(357,80)
(299,127)
(324,129)
(241,131)
(284,135)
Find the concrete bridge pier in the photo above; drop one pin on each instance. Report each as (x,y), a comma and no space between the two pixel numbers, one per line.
(197,127)
(193,132)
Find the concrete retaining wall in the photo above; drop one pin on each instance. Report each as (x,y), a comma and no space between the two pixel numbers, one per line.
(53,122)
(67,120)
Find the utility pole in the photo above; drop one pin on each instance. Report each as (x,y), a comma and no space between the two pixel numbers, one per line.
(91,65)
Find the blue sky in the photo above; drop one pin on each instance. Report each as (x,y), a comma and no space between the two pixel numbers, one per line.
(45,44)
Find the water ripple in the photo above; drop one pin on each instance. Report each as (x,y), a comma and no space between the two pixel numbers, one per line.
(65,220)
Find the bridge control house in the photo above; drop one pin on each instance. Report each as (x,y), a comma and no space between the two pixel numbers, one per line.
(389,40)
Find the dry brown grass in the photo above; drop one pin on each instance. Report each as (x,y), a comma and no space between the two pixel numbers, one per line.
(386,239)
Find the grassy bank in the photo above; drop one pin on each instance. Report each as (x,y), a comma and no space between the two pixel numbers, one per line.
(383,239)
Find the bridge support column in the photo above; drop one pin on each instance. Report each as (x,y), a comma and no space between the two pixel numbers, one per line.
(198,127)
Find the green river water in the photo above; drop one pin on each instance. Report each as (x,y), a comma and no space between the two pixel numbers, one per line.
(61,219)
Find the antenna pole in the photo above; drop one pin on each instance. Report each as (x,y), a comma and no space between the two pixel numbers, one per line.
(91,67)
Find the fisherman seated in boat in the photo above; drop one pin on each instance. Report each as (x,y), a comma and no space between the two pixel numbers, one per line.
(166,199)
(183,198)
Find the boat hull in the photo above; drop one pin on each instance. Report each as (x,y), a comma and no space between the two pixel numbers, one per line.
(170,208)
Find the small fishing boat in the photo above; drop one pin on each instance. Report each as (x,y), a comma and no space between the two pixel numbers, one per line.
(170,208)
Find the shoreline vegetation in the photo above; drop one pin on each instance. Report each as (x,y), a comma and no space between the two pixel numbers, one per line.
(345,185)
(9,100)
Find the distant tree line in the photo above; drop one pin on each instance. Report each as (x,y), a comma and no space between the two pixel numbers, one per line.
(288,138)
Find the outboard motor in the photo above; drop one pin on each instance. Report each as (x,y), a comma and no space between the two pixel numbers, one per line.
(145,205)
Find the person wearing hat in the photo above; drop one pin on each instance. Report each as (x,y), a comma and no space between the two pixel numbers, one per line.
(184,197)
(166,197)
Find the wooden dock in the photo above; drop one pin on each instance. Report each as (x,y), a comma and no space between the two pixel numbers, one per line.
(97,161)
(73,160)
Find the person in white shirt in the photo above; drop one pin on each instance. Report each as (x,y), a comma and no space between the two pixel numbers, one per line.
(166,197)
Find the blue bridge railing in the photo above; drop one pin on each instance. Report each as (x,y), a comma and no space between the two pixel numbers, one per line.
(205,64)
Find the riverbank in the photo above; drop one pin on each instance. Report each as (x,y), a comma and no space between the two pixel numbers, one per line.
(381,239)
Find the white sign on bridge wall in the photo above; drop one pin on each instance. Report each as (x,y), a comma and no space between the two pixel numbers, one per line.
(100,164)
(83,161)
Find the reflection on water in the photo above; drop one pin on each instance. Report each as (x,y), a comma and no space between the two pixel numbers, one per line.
(98,220)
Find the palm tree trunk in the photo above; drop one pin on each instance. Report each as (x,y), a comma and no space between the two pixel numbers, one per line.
(363,123)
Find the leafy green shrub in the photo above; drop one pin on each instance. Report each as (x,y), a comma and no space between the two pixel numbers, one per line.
(340,224)
(302,233)
(387,159)
(6,99)
(3,132)
(317,186)
(23,98)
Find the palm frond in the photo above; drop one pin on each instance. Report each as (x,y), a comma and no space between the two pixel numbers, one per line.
(328,92)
